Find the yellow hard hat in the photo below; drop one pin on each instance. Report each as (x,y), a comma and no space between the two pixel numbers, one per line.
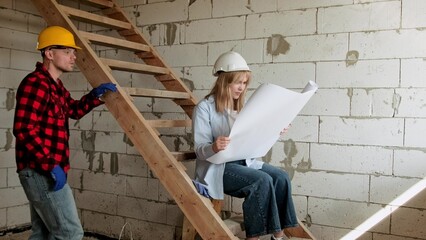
(56,36)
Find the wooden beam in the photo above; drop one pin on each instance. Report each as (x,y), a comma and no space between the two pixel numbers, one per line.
(115,42)
(95,18)
(134,67)
(144,92)
(169,123)
(98,3)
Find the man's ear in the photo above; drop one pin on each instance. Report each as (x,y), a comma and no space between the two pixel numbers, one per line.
(48,54)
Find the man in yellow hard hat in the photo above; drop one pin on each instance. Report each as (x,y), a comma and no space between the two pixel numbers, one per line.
(43,107)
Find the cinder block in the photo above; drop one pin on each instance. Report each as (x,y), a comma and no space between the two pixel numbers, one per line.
(331,185)
(174,215)
(376,45)
(132,165)
(379,191)
(223,8)
(323,103)
(104,182)
(8,159)
(329,212)
(200,31)
(414,129)
(150,230)
(173,55)
(351,159)
(409,163)
(162,105)
(413,72)
(19,41)
(315,48)
(18,20)
(215,49)
(24,60)
(363,74)
(3,177)
(287,75)
(11,78)
(96,201)
(75,82)
(340,130)
(163,12)
(12,197)
(105,121)
(409,222)
(289,4)
(373,102)
(286,23)
(333,233)
(102,223)
(3,218)
(412,103)
(413,14)
(289,155)
(12,178)
(353,18)
(200,9)
(303,129)
(110,142)
(4,62)
(253,50)
(201,77)
(142,209)
(142,187)
(18,216)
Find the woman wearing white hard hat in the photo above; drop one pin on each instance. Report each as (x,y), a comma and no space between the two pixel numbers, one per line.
(268,206)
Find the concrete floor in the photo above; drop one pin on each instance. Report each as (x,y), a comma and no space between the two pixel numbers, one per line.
(26,234)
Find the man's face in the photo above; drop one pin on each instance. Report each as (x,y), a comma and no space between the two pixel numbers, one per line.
(63,58)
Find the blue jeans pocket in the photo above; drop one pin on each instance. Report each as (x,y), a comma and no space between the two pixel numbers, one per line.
(36,186)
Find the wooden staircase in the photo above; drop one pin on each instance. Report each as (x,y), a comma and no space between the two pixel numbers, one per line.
(143,133)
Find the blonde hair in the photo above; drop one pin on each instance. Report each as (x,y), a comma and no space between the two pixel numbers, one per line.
(222,92)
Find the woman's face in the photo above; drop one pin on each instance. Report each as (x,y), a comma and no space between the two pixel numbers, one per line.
(238,86)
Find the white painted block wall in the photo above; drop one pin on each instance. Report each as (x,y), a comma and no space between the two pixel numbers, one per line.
(356,146)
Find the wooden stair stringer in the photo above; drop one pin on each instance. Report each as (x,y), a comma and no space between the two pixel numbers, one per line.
(174,83)
(160,160)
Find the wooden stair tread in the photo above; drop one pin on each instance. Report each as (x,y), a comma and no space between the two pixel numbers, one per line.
(115,42)
(98,3)
(134,67)
(184,156)
(144,92)
(95,18)
(169,123)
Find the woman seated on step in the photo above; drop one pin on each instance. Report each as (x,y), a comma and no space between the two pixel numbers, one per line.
(268,205)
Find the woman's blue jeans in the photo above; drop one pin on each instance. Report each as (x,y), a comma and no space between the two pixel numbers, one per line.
(268,204)
(53,214)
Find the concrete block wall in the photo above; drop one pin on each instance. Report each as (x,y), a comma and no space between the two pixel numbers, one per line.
(355,147)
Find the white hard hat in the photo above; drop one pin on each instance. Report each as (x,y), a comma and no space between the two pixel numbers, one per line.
(230,62)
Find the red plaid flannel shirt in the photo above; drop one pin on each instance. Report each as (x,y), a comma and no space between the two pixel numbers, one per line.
(43,107)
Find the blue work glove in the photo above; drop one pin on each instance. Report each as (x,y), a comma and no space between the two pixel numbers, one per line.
(102,89)
(59,177)
(201,189)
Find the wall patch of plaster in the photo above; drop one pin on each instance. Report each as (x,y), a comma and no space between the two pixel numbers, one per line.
(395,103)
(189,84)
(171,29)
(351,58)
(88,145)
(9,140)
(277,45)
(290,151)
(101,168)
(10,99)
(114,164)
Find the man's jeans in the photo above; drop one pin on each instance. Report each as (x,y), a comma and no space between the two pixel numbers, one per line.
(53,214)
(268,205)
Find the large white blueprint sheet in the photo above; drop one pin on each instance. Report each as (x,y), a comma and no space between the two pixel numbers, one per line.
(269,110)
